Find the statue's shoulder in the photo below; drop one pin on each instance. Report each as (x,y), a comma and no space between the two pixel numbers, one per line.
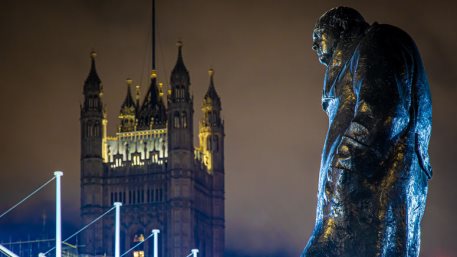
(384,43)
(385,37)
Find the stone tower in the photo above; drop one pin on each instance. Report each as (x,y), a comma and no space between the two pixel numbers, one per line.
(152,166)
(211,137)
(92,135)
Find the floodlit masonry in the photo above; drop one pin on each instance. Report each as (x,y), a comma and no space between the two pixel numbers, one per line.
(152,166)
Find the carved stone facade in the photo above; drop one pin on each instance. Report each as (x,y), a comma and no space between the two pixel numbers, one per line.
(152,166)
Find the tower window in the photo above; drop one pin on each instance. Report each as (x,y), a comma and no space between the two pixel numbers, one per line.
(179,93)
(139,251)
(184,119)
(136,159)
(176,120)
(96,129)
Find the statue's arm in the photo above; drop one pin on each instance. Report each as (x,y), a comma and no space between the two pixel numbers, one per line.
(377,85)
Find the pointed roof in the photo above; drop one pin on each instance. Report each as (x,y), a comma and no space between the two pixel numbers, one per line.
(128,101)
(93,81)
(152,96)
(180,72)
(153,107)
(211,96)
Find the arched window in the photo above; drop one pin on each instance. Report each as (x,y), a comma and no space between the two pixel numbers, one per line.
(138,238)
(96,129)
(214,119)
(179,92)
(184,119)
(176,120)
(89,129)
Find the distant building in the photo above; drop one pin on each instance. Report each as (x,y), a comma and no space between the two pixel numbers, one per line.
(152,166)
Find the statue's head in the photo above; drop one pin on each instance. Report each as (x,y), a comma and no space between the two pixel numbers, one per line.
(335,25)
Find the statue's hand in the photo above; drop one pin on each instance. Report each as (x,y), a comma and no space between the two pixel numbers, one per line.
(354,155)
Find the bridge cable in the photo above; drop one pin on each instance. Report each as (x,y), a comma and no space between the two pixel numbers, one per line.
(137,245)
(27,197)
(83,228)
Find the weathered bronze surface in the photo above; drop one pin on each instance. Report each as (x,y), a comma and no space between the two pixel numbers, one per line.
(375,165)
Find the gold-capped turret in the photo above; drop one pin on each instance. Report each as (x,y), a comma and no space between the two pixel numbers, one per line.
(153,74)
(137,95)
(160,89)
(93,54)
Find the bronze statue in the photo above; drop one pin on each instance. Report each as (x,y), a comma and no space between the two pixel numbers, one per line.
(375,165)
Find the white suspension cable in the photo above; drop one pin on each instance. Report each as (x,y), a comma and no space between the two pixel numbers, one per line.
(7,251)
(137,244)
(83,228)
(27,197)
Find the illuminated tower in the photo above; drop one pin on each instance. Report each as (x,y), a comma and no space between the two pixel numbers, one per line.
(151,165)
(212,146)
(92,132)
(180,158)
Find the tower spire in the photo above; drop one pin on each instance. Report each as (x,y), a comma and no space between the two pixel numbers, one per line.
(153,34)
(93,82)
(211,97)
(137,95)
(212,129)
(180,79)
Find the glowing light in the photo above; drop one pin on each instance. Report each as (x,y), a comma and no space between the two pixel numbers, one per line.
(153,74)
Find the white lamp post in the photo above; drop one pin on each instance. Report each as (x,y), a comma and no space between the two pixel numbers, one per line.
(58,174)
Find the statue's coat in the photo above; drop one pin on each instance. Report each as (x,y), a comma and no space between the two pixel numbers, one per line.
(375,165)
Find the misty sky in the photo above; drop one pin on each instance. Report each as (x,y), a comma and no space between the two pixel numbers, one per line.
(269,81)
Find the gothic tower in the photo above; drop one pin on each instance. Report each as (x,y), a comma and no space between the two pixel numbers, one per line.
(180,158)
(92,133)
(212,146)
(152,166)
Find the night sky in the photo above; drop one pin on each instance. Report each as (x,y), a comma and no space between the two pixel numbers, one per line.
(268,78)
